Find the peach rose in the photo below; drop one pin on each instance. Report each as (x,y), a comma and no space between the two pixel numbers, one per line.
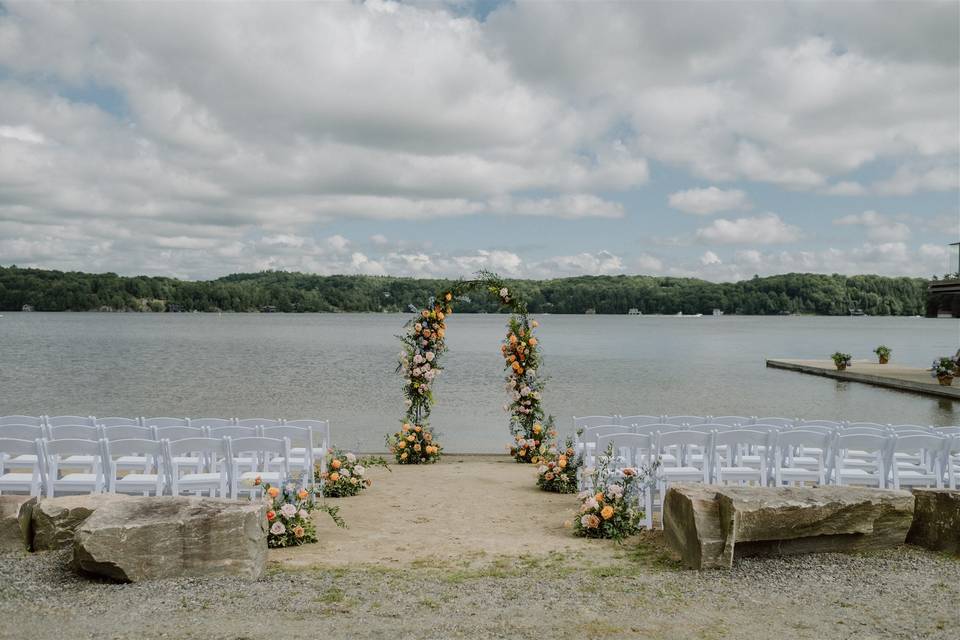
(273,492)
(334,477)
(607,512)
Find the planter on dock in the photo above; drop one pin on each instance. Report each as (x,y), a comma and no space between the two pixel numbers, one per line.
(945,381)
(841,360)
(884,359)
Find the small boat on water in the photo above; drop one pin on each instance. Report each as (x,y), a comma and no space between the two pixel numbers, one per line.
(680,314)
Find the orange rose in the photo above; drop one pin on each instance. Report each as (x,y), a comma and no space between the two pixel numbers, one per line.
(257,481)
(302,494)
(416,447)
(271,515)
(402,444)
(532,341)
(428,437)
(411,438)
(335,464)
(607,512)
(334,477)
(406,426)
(562,462)
(298,531)
(599,496)
(425,313)
(418,428)
(273,492)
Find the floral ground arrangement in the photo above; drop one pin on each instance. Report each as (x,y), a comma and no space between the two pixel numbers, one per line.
(610,509)
(345,473)
(558,469)
(420,364)
(288,518)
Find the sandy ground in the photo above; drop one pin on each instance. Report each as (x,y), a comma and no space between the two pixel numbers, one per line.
(465,508)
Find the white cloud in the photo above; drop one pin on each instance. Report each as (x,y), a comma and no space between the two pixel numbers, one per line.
(907,180)
(879,228)
(709,200)
(767,229)
(845,188)
(710,258)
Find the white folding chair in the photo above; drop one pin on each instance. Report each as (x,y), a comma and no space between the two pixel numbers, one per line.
(132,460)
(265,449)
(587,447)
(680,471)
(924,447)
(213,475)
(585,422)
(731,421)
(76,432)
(728,449)
(874,425)
(242,460)
(681,421)
(191,461)
(792,456)
(21,432)
(33,421)
(803,424)
(150,480)
(951,459)
(211,423)
(851,470)
(775,421)
(321,439)
(19,481)
(58,453)
(636,421)
(302,438)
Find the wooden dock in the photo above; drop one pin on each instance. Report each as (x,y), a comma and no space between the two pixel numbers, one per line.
(883,375)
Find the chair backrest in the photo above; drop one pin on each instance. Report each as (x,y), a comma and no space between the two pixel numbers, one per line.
(233,432)
(911,428)
(211,422)
(869,442)
(883,431)
(127,432)
(803,438)
(179,433)
(257,422)
(685,437)
(320,428)
(819,423)
(653,428)
(585,422)
(72,447)
(808,427)
(741,436)
(590,434)
(152,449)
(774,420)
(263,447)
(18,446)
(34,421)
(165,422)
(638,421)
(714,426)
(75,432)
(732,421)
(56,421)
(119,422)
(683,420)
(950,431)
(22,431)
(875,425)
(216,446)
(636,446)
(298,436)
(913,443)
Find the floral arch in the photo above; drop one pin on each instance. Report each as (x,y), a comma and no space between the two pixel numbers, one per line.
(420,362)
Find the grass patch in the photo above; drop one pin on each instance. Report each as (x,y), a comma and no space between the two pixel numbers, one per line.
(331,596)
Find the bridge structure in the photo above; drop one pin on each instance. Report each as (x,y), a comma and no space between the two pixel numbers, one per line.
(943,296)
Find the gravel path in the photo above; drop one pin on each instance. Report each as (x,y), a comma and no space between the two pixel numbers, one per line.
(902,593)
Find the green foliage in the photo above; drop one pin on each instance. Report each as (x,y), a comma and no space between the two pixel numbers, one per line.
(842,360)
(298,292)
(883,352)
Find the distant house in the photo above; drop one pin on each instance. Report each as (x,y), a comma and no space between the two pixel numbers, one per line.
(634,312)
(26,307)
(590,312)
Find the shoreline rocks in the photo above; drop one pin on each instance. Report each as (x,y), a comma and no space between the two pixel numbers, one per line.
(936,520)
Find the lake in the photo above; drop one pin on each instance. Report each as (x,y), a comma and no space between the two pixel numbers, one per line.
(341,367)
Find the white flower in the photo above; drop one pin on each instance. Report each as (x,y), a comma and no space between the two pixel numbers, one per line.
(542,469)
(351,457)
(278,529)
(417,359)
(303,513)
(591,503)
(584,494)
(428,375)
(430,356)
(408,401)
(504,292)
(416,371)
(288,510)
(344,472)
(359,470)
(614,491)
(525,391)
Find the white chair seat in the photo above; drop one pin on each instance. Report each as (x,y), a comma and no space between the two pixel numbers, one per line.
(750,461)
(273,477)
(811,451)
(15,479)
(25,461)
(794,473)
(142,478)
(77,461)
(128,462)
(805,462)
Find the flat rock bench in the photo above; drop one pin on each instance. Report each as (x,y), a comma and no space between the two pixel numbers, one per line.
(710,526)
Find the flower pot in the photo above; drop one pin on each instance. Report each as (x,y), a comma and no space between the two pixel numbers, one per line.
(841,367)
(945,381)
(884,359)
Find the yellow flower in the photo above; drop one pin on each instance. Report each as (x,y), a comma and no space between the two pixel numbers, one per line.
(523,453)
(439,315)
(535,459)
(537,428)
(403,456)
(562,461)
(607,512)
(534,324)
(411,438)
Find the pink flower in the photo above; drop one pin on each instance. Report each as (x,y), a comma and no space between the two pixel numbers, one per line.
(278,529)
(288,510)
(430,356)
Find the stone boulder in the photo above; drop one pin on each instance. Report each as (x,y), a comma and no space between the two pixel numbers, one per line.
(936,520)
(710,526)
(50,523)
(12,535)
(147,538)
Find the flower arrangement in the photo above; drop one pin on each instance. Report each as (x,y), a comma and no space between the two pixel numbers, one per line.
(521,361)
(841,360)
(945,369)
(288,516)
(611,508)
(558,470)
(414,444)
(883,353)
(345,473)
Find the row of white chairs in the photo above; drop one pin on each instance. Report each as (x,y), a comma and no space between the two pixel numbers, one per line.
(784,457)
(221,466)
(585,422)
(55,421)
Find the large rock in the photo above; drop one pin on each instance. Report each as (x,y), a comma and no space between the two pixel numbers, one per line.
(50,523)
(12,535)
(710,526)
(936,520)
(145,538)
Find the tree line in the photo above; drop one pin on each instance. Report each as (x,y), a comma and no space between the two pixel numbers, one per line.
(803,293)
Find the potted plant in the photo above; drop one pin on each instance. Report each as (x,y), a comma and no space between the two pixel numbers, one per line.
(944,370)
(842,360)
(883,353)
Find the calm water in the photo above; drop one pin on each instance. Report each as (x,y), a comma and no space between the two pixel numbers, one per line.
(341,367)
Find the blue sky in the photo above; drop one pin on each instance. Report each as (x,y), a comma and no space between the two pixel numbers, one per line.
(715,140)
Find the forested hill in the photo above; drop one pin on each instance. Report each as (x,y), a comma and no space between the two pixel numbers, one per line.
(45,290)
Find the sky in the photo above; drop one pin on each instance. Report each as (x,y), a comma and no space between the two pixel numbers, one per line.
(535,139)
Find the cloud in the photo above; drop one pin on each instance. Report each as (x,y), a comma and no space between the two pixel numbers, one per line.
(710,258)
(845,188)
(767,229)
(708,201)
(879,228)
(907,180)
